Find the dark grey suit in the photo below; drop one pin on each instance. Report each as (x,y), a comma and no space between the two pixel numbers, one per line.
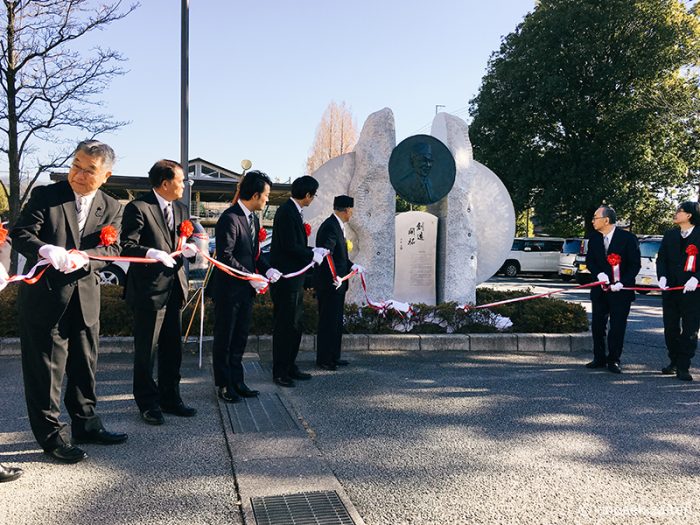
(59,315)
(156,294)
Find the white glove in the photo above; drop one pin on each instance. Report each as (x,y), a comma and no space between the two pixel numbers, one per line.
(337,282)
(319,254)
(3,277)
(75,261)
(258,285)
(56,255)
(189,250)
(691,285)
(662,283)
(616,287)
(161,256)
(358,268)
(273,275)
(602,276)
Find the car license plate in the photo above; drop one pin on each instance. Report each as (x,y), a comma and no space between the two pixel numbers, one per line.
(567,271)
(582,268)
(646,280)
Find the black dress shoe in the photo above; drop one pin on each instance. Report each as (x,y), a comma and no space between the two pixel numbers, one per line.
(669,370)
(299,375)
(67,453)
(100,437)
(341,362)
(327,366)
(596,364)
(242,390)
(615,368)
(226,396)
(181,410)
(684,375)
(284,381)
(9,473)
(153,416)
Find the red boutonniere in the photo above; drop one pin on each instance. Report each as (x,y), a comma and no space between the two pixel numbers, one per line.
(307,228)
(262,234)
(692,252)
(3,234)
(108,235)
(614,259)
(186,229)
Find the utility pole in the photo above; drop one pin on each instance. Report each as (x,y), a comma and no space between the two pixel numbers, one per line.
(184,101)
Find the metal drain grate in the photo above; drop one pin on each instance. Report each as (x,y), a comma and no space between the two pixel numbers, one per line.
(265,413)
(306,508)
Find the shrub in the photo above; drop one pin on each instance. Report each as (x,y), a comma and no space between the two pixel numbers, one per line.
(538,315)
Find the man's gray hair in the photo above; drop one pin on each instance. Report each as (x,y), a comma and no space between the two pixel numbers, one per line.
(95,148)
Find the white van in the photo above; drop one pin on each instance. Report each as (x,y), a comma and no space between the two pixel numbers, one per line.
(649,249)
(533,254)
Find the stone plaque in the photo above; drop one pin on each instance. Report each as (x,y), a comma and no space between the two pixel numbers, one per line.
(414,267)
(422,169)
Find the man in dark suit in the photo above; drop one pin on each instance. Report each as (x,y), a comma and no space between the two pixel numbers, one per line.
(330,293)
(59,315)
(238,246)
(156,292)
(681,310)
(612,303)
(289,253)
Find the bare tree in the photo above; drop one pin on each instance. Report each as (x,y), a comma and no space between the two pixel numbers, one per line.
(335,135)
(49,88)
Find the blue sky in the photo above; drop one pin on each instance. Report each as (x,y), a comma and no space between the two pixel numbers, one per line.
(262,73)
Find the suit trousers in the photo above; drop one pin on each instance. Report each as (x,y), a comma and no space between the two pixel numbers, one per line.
(616,310)
(681,314)
(158,333)
(287,313)
(70,348)
(232,320)
(330,325)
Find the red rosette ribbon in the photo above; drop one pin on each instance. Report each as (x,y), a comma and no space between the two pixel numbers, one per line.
(614,260)
(108,235)
(262,235)
(186,229)
(307,228)
(3,234)
(692,252)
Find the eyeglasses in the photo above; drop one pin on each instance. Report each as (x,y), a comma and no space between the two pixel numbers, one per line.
(596,218)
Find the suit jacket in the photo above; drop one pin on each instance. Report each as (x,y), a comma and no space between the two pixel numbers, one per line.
(143,227)
(625,245)
(50,218)
(330,236)
(236,248)
(289,250)
(670,262)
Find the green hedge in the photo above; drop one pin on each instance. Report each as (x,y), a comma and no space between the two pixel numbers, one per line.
(538,315)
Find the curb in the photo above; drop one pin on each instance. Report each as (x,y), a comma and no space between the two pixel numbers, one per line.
(262,345)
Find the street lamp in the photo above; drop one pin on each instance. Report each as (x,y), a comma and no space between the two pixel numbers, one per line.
(438,106)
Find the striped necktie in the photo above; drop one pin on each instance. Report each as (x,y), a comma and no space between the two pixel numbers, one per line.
(168,211)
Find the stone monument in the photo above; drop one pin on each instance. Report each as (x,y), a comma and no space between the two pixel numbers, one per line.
(475,219)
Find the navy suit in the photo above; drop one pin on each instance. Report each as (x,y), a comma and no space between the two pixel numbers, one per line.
(233,298)
(607,305)
(289,252)
(156,294)
(681,311)
(59,316)
(331,301)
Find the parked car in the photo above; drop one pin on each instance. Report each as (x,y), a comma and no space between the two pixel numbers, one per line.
(583,274)
(115,272)
(567,258)
(533,254)
(649,249)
